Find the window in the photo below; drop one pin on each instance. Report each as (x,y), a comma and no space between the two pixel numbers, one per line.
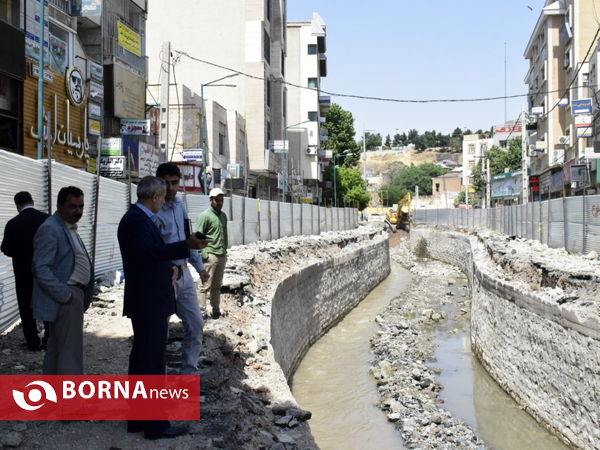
(437,187)
(268,87)
(313,83)
(312,49)
(9,12)
(282,63)
(267,46)
(285,103)
(313,116)
(60,57)
(222,135)
(484,148)
(471,149)
(567,60)
(268,7)
(585,79)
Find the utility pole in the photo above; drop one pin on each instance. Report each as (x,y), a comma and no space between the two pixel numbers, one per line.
(165,79)
(524,159)
(41,75)
(488,186)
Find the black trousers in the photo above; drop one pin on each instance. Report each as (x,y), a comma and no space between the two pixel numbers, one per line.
(148,357)
(24,288)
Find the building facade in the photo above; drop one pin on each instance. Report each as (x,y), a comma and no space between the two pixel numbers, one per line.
(558,78)
(231,54)
(474,147)
(306,64)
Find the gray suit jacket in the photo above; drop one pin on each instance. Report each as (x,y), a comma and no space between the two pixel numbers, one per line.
(53,264)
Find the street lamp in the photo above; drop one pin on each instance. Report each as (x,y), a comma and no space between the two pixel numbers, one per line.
(344,153)
(203,125)
(287,145)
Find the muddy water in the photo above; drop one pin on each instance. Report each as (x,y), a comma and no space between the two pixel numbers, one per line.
(471,394)
(333,380)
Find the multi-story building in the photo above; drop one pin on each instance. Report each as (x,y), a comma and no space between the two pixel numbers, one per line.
(506,132)
(474,147)
(236,59)
(306,108)
(557,79)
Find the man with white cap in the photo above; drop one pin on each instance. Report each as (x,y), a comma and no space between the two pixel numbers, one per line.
(213,224)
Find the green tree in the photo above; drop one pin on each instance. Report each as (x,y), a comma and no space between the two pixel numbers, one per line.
(340,127)
(406,178)
(500,159)
(457,133)
(372,141)
(412,137)
(397,142)
(388,141)
(461,198)
(352,188)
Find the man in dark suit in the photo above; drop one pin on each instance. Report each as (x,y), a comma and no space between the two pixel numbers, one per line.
(149,290)
(18,244)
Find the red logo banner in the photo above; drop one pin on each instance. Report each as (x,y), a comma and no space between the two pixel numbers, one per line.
(100,397)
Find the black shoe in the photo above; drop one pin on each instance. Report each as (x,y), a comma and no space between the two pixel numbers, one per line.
(33,347)
(135,427)
(216,314)
(168,433)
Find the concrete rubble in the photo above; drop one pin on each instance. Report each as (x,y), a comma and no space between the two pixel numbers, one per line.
(245,400)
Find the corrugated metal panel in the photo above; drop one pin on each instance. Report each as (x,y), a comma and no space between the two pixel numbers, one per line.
(556,237)
(235,234)
(275,227)
(306,218)
(251,219)
(574,224)
(264,206)
(112,205)
(68,176)
(18,174)
(591,211)
(196,205)
(285,210)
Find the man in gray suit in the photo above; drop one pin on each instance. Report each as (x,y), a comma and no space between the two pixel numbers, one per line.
(63,283)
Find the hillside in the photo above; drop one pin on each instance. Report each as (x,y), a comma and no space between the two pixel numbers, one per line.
(383,161)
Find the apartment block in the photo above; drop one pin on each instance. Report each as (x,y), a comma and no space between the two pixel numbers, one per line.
(474,147)
(306,64)
(227,55)
(557,80)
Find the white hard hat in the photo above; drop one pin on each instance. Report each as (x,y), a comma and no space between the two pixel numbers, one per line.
(214,192)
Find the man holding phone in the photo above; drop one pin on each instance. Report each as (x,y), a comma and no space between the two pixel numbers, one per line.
(174,226)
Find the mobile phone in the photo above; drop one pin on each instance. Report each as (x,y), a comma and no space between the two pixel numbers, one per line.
(199,235)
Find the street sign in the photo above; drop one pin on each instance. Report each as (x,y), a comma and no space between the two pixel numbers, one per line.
(583,106)
(591,154)
(583,120)
(195,154)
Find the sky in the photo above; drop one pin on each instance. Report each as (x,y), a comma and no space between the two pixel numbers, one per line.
(424,49)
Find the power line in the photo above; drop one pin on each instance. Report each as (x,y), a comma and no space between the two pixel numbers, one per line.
(365,97)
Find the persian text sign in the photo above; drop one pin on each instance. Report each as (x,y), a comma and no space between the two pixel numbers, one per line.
(129,39)
(100,397)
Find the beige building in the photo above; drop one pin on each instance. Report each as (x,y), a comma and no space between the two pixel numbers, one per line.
(236,60)
(474,147)
(445,189)
(306,108)
(558,75)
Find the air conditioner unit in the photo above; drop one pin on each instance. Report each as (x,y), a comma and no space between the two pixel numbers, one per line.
(311,151)
(564,140)
(532,152)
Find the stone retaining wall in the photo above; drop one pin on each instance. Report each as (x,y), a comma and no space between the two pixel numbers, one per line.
(312,300)
(545,354)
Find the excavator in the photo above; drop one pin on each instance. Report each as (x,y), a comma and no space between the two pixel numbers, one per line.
(400,217)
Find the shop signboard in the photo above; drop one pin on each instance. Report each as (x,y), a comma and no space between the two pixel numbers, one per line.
(95,127)
(94,110)
(32,35)
(279,146)
(131,152)
(96,91)
(112,166)
(129,89)
(507,185)
(583,106)
(129,39)
(149,159)
(193,155)
(96,71)
(111,147)
(135,127)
